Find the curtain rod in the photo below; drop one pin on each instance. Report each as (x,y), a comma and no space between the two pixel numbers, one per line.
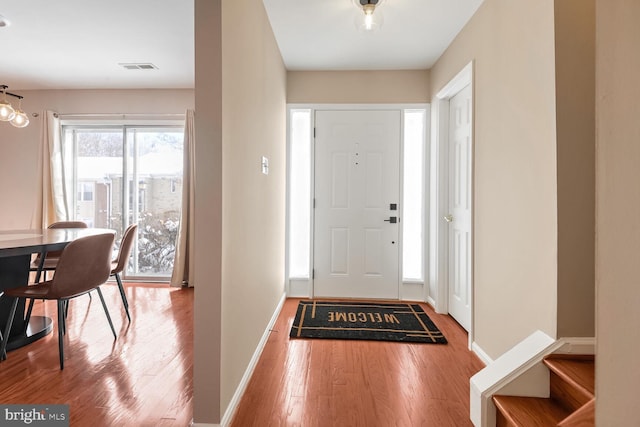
(119,115)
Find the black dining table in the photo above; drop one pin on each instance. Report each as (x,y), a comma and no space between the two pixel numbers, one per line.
(16,250)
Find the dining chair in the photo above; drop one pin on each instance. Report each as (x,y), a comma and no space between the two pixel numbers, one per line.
(52,257)
(120,263)
(84,265)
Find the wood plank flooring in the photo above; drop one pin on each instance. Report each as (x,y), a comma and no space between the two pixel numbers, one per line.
(300,382)
(144,378)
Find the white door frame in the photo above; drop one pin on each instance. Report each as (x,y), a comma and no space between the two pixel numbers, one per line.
(439,247)
(303,287)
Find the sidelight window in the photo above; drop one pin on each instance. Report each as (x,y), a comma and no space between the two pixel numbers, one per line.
(299,193)
(413,179)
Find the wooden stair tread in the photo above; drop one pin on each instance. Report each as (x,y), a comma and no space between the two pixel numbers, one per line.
(530,411)
(577,370)
(583,417)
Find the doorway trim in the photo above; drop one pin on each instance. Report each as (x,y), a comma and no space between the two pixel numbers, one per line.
(303,286)
(439,184)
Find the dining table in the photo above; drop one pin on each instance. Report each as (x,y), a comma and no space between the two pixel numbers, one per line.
(17,248)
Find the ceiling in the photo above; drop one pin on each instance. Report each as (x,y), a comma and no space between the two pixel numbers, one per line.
(77,44)
(322,34)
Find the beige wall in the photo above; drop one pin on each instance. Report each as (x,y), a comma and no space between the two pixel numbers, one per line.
(253,216)
(207,305)
(515,265)
(240,117)
(575,126)
(358,87)
(19,148)
(617,212)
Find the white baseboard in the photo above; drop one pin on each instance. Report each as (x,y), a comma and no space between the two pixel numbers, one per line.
(431,302)
(235,400)
(577,345)
(481,354)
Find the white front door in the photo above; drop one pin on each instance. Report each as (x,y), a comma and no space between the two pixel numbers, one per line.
(459,216)
(357,183)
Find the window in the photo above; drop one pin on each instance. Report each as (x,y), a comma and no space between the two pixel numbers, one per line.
(299,193)
(129,174)
(413,242)
(85,191)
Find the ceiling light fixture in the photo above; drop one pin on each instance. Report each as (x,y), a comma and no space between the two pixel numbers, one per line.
(372,20)
(15,116)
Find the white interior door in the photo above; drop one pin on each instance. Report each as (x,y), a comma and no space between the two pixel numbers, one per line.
(459,217)
(357,180)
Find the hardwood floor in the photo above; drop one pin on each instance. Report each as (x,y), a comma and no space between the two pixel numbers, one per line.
(144,378)
(299,382)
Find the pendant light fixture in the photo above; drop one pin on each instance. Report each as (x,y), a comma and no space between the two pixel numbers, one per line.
(6,110)
(371,20)
(15,116)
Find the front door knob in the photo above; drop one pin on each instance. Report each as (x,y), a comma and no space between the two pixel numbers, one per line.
(448,218)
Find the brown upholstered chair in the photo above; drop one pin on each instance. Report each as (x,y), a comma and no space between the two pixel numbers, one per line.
(84,265)
(51,260)
(120,263)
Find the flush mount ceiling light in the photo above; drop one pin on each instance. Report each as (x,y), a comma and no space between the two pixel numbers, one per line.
(15,116)
(372,19)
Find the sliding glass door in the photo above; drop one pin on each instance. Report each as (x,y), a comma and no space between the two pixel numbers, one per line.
(121,175)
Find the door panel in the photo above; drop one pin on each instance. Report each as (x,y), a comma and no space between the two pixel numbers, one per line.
(356,179)
(460,207)
(340,251)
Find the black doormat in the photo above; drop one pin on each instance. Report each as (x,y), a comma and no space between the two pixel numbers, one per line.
(365,321)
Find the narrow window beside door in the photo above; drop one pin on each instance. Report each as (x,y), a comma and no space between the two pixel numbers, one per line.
(299,193)
(413,184)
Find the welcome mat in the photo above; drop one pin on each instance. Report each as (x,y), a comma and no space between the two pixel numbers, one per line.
(365,321)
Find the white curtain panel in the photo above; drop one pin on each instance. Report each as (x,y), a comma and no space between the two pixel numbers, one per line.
(183,264)
(52,202)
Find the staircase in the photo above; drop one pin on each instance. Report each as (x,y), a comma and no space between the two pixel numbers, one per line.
(571,402)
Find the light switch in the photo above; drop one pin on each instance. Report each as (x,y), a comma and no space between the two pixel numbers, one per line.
(265,165)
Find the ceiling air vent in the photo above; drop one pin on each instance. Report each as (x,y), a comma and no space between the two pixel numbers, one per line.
(145,66)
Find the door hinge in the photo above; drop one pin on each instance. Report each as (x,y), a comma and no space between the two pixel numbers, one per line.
(314,203)
(313,273)
(314,132)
